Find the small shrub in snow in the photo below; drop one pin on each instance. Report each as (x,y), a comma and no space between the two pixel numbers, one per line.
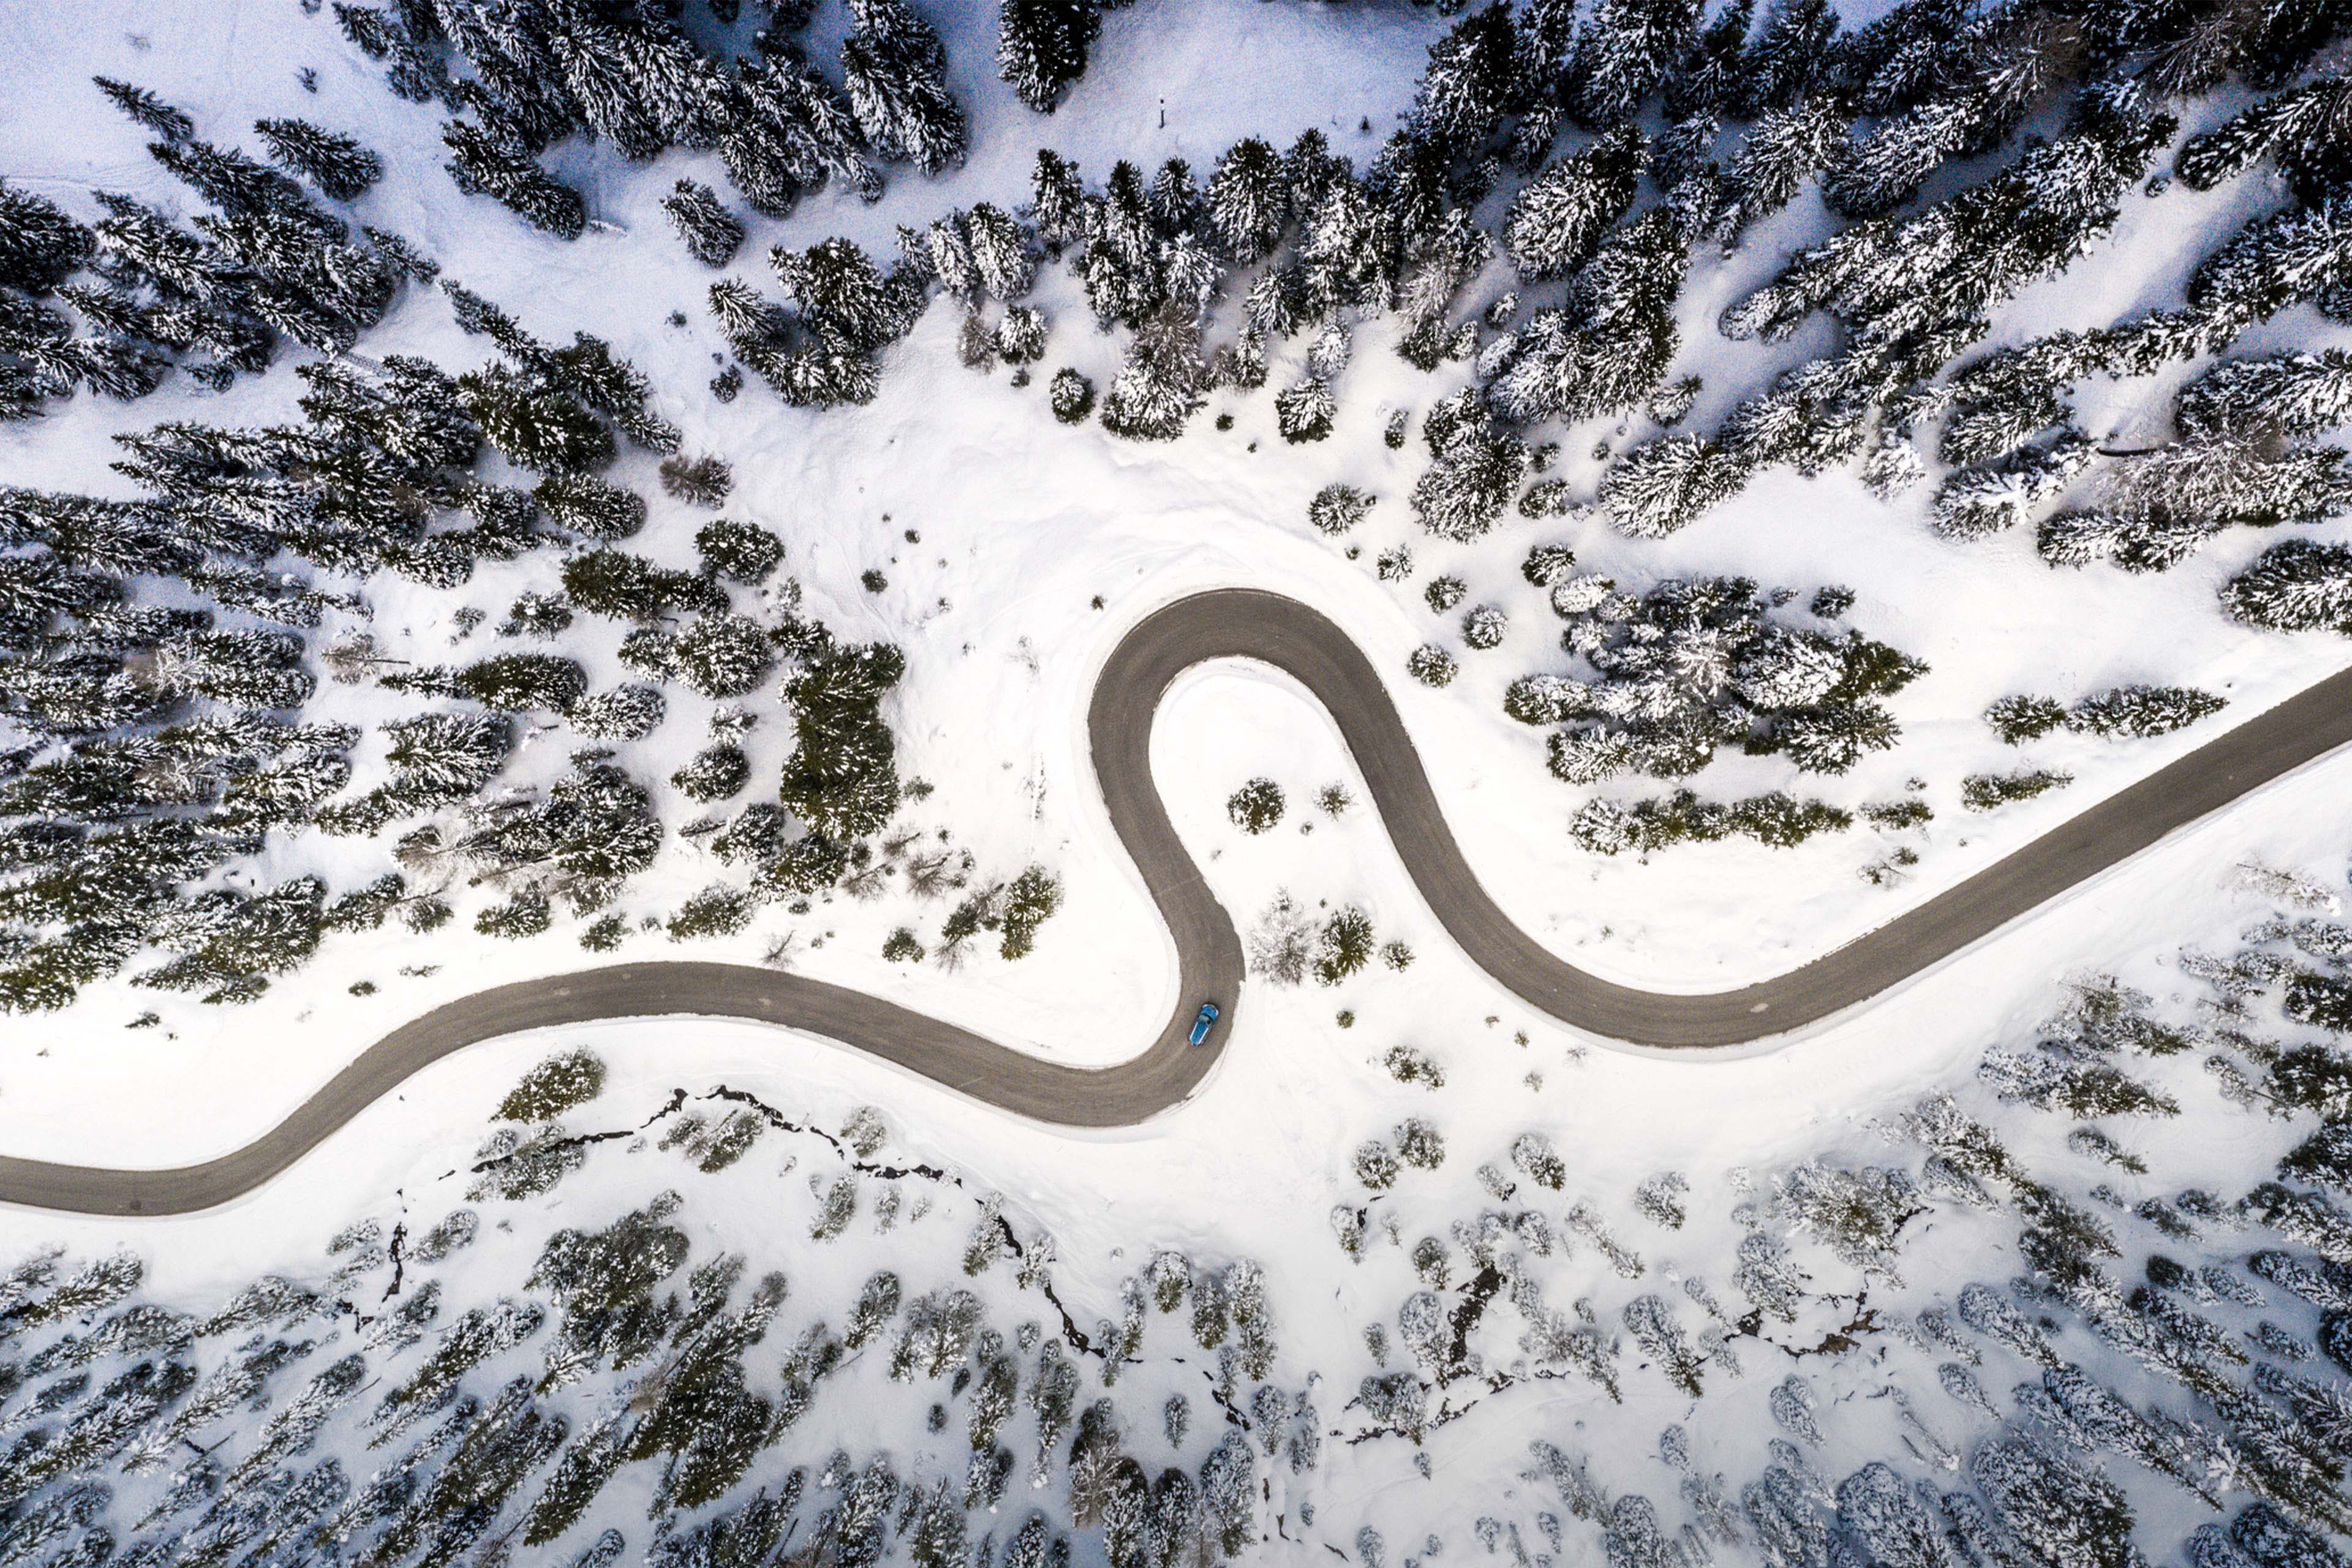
(1893,466)
(1420,1145)
(526,914)
(865,1131)
(902,947)
(716,911)
(1336,508)
(1659,1199)
(1070,395)
(1547,564)
(554,1087)
(1538,1161)
(698,481)
(1984,792)
(1345,947)
(536,616)
(714,773)
(1549,499)
(1393,564)
(976,344)
(1484,626)
(1896,815)
(605,934)
(1431,665)
(1347,1226)
(1032,898)
(834,1211)
(1444,593)
(1397,956)
(1281,944)
(1670,403)
(624,713)
(1408,1065)
(1256,807)
(2017,720)
(738,552)
(2288,888)
(1376,1167)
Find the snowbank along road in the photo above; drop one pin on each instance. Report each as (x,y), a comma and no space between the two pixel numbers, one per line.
(1293,639)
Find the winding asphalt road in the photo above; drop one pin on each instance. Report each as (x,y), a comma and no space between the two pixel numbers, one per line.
(1284,634)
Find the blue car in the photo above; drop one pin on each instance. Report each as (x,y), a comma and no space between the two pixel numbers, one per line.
(1204,1021)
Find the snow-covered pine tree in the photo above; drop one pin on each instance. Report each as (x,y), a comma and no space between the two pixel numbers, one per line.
(896,73)
(1474,468)
(786,131)
(1976,502)
(1798,46)
(2299,585)
(534,425)
(338,164)
(1057,203)
(2301,129)
(1304,410)
(1557,219)
(711,233)
(1787,146)
(1158,386)
(1468,84)
(147,109)
(1249,199)
(1609,347)
(1710,81)
(2274,262)
(2140,712)
(483,165)
(40,244)
(1624,52)
(1041,47)
(1663,486)
(2292,395)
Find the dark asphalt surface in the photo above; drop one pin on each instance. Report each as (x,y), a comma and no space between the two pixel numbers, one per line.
(1284,634)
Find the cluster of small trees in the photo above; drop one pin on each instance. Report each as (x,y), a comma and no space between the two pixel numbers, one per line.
(2144,1340)
(1612,827)
(2129,711)
(1696,664)
(167,720)
(1870,114)
(1288,944)
(844,310)
(266,264)
(617,1349)
(542,71)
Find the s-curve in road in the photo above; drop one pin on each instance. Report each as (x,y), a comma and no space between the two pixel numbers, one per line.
(1281,632)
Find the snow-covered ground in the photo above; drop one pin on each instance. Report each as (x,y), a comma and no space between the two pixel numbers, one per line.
(1023,523)
(1038,546)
